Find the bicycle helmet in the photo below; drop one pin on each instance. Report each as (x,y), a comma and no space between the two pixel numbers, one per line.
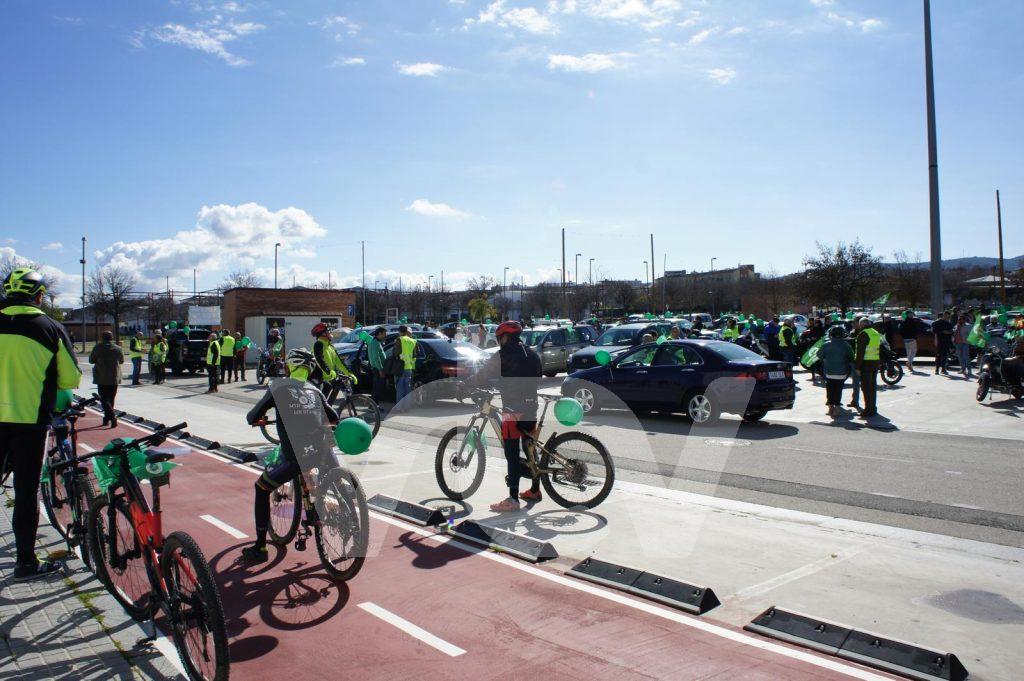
(24,281)
(300,357)
(513,328)
(320,330)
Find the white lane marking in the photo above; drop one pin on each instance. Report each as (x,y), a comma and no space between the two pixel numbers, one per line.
(394,475)
(857,456)
(413,630)
(167,649)
(685,620)
(799,573)
(217,522)
(86,447)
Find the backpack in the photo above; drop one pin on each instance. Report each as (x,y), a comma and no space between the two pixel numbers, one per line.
(393,364)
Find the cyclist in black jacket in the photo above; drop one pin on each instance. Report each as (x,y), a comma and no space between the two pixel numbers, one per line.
(515,361)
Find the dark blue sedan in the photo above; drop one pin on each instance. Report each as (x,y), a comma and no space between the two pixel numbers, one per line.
(701,378)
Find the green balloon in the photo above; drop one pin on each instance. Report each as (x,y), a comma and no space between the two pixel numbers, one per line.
(1002,318)
(547,316)
(186,329)
(65,398)
(487,321)
(353,436)
(358,325)
(172,325)
(661,339)
(246,341)
(602,357)
(568,411)
(464,321)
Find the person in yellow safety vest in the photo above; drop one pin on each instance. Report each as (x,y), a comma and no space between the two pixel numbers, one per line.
(158,358)
(136,349)
(227,355)
(787,341)
(328,363)
(405,346)
(212,361)
(276,345)
(868,354)
(731,332)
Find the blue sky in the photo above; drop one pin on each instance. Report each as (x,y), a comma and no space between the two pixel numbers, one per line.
(463,135)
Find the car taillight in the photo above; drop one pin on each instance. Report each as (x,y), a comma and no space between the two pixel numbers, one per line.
(789,372)
(761,375)
(450,370)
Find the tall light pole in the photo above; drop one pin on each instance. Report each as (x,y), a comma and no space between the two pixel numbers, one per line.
(362,251)
(276,246)
(713,264)
(650,291)
(933,167)
(1002,272)
(504,292)
(195,289)
(429,278)
(83,294)
(577,281)
(590,273)
(646,276)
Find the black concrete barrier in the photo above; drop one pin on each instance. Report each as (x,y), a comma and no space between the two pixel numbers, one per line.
(406,510)
(239,455)
(690,598)
(504,541)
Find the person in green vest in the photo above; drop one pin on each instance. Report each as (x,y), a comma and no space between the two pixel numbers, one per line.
(213,361)
(405,346)
(868,354)
(375,355)
(731,332)
(787,341)
(158,358)
(136,349)
(227,355)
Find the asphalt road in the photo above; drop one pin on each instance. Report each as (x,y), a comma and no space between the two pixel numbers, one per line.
(959,485)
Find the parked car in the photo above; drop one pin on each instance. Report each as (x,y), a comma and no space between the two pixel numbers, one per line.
(684,376)
(187,352)
(554,344)
(614,340)
(353,338)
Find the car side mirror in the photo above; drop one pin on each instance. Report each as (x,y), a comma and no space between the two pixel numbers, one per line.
(547,344)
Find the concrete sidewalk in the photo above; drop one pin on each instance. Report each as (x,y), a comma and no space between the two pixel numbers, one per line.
(66,626)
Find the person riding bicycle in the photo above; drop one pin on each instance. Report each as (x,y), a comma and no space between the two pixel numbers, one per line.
(296,401)
(275,345)
(518,370)
(328,363)
(36,360)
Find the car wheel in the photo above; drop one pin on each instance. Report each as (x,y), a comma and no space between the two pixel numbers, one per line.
(587,399)
(701,408)
(755,415)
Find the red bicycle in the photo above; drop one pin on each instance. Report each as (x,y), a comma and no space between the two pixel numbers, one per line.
(146,572)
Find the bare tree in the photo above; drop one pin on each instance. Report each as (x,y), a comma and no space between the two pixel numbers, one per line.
(481,285)
(907,280)
(840,275)
(110,292)
(242,279)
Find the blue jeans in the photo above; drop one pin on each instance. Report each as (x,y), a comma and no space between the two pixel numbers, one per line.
(963,354)
(855,376)
(136,369)
(403,385)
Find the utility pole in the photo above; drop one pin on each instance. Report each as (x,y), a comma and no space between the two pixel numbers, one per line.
(83,294)
(933,167)
(577,279)
(590,273)
(647,276)
(664,281)
(563,272)
(1002,272)
(362,248)
(195,289)
(650,293)
(329,287)
(276,246)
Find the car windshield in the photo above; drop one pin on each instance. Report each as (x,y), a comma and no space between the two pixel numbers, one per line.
(350,337)
(458,350)
(532,338)
(734,353)
(616,337)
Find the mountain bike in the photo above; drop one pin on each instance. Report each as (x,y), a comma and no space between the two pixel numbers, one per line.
(575,468)
(147,573)
(342,533)
(348,404)
(65,487)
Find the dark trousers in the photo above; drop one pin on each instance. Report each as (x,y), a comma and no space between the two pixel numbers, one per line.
(869,385)
(21,452)
(158,373)
(136,369)
(942,356)
(379,387)
(227,367)
(107,393)
(240,365)
(834,391)
(212,374)
(517,468)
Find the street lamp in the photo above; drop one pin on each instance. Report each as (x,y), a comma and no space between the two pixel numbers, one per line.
(646,279)
(429,279)
(504,292)
(276,246)
(713,264)
(578,268)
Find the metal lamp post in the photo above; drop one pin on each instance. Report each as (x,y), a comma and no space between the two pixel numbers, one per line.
(276,246)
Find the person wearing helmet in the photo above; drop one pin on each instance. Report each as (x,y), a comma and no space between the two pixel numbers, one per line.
(36,360)
(518,370)
(836,358)
(297,401)
(328,363)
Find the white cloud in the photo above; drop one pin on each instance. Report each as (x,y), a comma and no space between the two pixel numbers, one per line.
(822,3)
(701,36)
(591,62)
(722,76)
(738,30)
(527,19)
(869,25)
(348,61)
(436,210)
(68,287)
(338,25)
(53,246)
(244,231)
(865,25)
(649,14)
(691,20)
(421,69)
(208,36)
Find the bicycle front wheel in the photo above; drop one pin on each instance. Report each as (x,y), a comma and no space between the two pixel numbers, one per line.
(363,407)
(56,503)
(269,429)
(117,555)
(343,533)
(285,512)
(460,461)
(581,475)
(197,616)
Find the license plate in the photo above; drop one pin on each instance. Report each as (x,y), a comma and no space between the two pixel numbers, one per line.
(776,375)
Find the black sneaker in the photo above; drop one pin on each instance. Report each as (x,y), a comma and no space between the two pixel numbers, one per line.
(44,568)
(254,555)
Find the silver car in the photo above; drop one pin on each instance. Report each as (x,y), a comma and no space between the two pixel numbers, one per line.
(554,345)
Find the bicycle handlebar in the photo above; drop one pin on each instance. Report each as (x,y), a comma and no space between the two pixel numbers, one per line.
(123,448)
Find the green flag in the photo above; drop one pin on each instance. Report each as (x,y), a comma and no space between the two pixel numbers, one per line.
(978,337)
(810,358)
(882,300)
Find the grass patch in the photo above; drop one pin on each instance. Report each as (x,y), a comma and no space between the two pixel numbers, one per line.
(86,599)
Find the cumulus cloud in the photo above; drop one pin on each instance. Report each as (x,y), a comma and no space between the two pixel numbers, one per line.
(865,25)
(649,14)
(738,30)
(245,231)
(435,210)
(701,36)
(868,25)
(528,19)
(591,62)
(348,61)
(722,76)
(53,246)
(421,69)
(210,36)
(66,286)
(338,26)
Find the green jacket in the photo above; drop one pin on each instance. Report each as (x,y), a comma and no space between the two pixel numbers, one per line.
(375,353)
(36,360)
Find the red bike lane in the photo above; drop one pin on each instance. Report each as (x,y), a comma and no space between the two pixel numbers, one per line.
(425,607)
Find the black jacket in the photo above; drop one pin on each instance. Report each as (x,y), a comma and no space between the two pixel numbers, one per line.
(309,409)
(514,361)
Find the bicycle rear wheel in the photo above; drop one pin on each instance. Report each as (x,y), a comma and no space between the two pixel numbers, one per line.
(587,476)
(117,556)
(285,512)
(197,616)
(269,429)
(460,461)
(56,503)
(362,407)
(343,533)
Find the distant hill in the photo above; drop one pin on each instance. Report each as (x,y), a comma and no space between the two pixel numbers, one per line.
(1010,264)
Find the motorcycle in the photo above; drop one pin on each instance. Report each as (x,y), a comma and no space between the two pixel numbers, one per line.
(990,375)
(268,367)
(890,369)
(752,343)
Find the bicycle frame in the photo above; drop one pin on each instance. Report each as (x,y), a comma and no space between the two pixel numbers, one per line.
(491,415)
